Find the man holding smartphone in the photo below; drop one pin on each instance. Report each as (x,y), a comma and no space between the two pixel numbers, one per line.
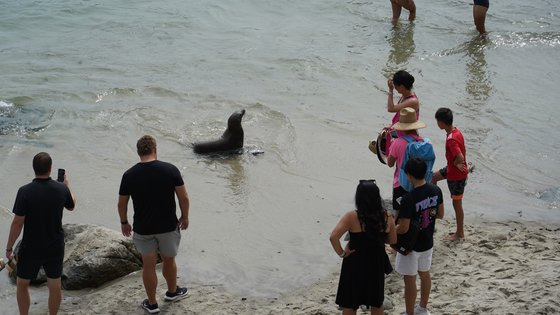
(38,207)
(153,185)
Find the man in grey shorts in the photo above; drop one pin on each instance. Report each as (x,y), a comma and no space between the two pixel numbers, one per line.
(153,184)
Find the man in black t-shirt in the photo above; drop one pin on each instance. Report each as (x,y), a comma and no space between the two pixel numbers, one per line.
(153,185)
(38,211)
(423,205)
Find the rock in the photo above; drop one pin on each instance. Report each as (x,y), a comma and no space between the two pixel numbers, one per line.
(94,255)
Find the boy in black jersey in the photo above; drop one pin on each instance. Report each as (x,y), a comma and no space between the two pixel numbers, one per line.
(423,204)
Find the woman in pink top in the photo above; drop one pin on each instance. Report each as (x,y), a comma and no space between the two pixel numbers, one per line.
(409,124)
(402,82)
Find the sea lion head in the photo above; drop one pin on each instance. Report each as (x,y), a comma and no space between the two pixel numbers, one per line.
(234,121)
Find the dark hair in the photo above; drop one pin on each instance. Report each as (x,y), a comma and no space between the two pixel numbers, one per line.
(445,115)
(370,207)
(42,163)
(416,168)
(146,145)
(404,78)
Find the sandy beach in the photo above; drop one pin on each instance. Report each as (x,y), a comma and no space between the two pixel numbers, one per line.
(500,268)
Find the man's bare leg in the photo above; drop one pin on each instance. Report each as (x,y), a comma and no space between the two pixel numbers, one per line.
(479,16)
(169,271)
(149,276)
(23,298)
(55,294)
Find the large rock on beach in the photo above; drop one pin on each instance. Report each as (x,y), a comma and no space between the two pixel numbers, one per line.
(93,256)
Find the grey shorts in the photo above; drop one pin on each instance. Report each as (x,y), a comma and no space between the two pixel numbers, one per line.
(166,243)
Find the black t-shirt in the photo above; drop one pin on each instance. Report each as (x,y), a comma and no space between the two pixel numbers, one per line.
(42,202)
(152,188)
(421,204)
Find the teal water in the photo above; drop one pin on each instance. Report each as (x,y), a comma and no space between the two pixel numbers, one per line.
(84,80)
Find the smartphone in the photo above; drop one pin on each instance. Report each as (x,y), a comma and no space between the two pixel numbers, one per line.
(61,173)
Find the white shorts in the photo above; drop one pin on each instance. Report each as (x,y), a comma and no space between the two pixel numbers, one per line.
(410,264)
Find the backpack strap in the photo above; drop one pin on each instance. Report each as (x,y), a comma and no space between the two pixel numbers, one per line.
(408,139)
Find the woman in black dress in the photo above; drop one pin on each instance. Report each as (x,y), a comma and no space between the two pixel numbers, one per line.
(362,277)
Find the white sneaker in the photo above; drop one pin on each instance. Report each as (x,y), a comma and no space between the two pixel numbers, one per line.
(419,310)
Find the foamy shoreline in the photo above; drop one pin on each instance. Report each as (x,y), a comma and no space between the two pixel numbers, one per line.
(506,267)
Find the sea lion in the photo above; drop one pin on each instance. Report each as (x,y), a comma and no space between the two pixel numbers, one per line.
(232,138)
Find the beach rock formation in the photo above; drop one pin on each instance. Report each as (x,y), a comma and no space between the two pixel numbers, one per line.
(93,256)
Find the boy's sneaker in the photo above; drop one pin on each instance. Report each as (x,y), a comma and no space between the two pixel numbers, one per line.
(419,310)
(178,294)
(151,308)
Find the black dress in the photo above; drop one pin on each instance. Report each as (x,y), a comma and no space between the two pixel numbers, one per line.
(362,277)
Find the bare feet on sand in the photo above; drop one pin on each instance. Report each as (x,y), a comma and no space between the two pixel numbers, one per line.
(453,237)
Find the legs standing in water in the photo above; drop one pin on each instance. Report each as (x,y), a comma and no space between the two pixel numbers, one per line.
(397,6)
(479,14)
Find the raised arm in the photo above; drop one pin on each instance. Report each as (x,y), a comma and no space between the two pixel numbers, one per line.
(73,205)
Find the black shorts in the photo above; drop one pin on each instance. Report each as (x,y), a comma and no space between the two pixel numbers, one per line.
(397,193)
(28,267)
(484,3)
(456,187)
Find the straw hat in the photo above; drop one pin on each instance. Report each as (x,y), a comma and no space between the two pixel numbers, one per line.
(408,121)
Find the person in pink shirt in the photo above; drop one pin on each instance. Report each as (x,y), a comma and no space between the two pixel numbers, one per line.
(402,82)
(409,125)
(456,171)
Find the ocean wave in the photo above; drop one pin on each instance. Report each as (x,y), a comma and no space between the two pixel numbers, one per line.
(5,104)
(17,120)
